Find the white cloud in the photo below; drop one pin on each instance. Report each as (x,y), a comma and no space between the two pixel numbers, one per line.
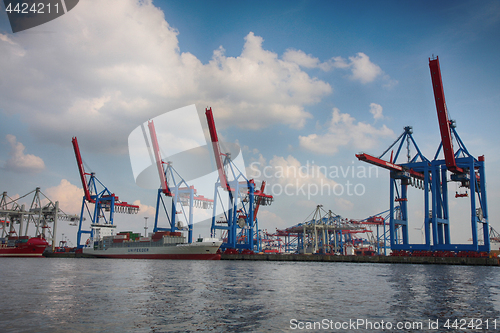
(269,220)
(343,130)
(19,161)
(289,176)
(289,171)
(70,199)
(261,87)
(363,69)
(100,74)
(389,82)
(13,49)
(339,62)
(145,210)
(69,196)
(5,38)
(309,204)
(376,111)
(344,204)
(301,58)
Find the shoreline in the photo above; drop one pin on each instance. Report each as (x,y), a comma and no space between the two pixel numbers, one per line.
(333,258)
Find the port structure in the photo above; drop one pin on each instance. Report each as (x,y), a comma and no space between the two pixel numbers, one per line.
(183,196)
(239,222)
(380,241)
(433,176)
(42,217)
(494,236)
(105,204)
(321,232)
(260,237)
(326,232)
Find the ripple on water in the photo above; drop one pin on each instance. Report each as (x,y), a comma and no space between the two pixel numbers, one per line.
(92,295)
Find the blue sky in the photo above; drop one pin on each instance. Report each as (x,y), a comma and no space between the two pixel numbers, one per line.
(274,72)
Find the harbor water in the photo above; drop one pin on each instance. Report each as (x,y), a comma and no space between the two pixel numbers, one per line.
(112,295)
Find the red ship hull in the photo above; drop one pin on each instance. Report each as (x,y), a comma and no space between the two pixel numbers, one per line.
(34,247)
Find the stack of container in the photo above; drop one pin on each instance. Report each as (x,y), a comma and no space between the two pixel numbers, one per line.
(174,239)
(121,237)
(13,240)
(131,236)
(159,235)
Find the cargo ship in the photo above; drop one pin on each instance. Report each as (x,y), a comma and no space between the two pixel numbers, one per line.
(22,246)
(160,245)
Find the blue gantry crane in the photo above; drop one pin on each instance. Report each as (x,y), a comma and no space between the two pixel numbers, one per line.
(433,176)
(239,221)
(105,203)
(183,196)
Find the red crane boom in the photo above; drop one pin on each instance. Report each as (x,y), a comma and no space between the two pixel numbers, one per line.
(81,170)
(387,165)
(259,199)
(159,162)
(217,151)
(444,122)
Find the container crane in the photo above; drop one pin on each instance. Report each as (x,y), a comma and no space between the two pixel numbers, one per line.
(465,169)
(105,203)
(431,176)
(244,201)
(179,191)
(414,172)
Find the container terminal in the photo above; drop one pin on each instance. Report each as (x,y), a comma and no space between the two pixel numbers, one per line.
(323,236)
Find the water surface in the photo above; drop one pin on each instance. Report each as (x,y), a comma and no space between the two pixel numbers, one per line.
(117,295)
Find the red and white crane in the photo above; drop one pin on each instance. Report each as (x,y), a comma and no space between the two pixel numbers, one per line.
(244,200)
(159,161)
(217,151)
(105,202)
(178,190)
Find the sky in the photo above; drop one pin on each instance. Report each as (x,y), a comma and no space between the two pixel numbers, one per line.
(300,86)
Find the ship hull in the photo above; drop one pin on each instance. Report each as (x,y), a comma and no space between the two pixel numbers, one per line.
(20,253)
(201,256)
(194,251)
(32,249)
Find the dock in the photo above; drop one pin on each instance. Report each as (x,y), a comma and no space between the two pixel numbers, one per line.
(366,259)
(333,258)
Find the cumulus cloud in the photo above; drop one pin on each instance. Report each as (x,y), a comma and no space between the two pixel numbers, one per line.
(363,69)
(101,73)
(289,171)
(70,199)
(360,66)
(145,209)
(257,88)
(288,176)
(376,111)
(19,161)
(309,204)
(343,130)
(69,196)
(304,60)
(344,204)
(269,220)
